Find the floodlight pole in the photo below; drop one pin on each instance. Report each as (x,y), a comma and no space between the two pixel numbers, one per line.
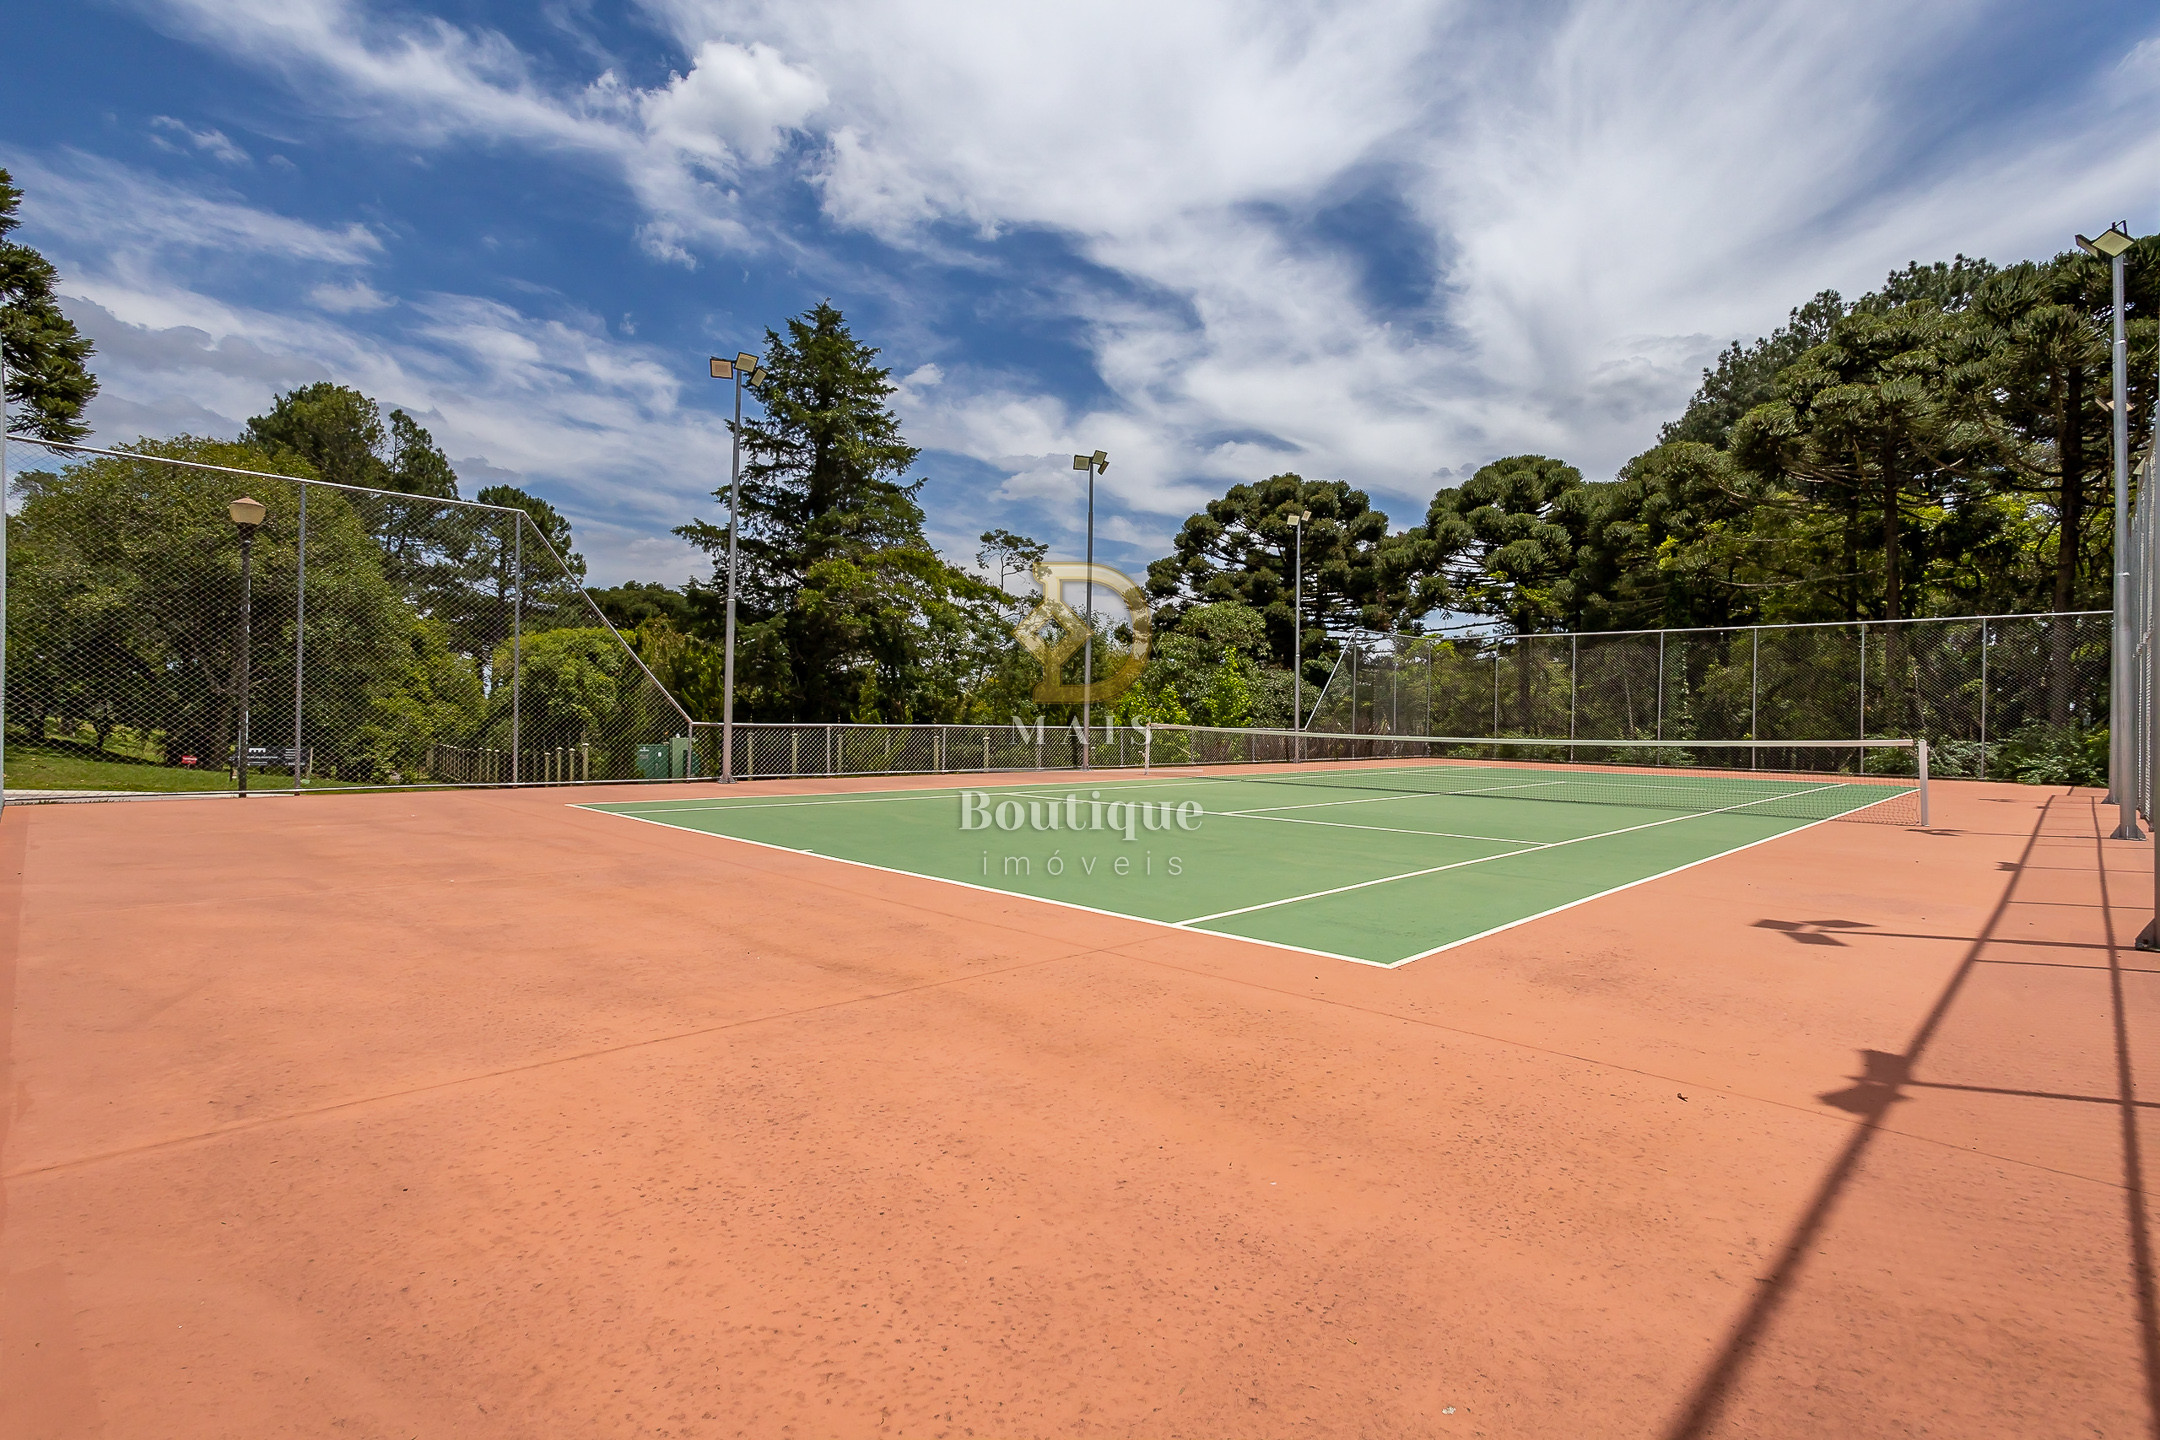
(727,664)
(743,366)
(1297,630)
(1094,464)
(2119,767)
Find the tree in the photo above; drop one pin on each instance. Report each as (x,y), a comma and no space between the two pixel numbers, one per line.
(1242,548)
(47,360)
(125,584)
(637,602)
(844,609)
(1010,553)
(1746,375)
(1861,422)
(340,432)
(1503,543)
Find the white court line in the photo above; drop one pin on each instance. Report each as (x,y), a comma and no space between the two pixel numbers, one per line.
(1383,829)
(1482,859)
(1629,885)
(1405,795)
(991,889)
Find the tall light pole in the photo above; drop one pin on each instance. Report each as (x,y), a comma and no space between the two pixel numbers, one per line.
(2113,244)
(1094,464)
(743,367)
(246,514)
(1297,624)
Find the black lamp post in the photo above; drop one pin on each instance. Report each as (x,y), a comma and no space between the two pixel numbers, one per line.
(246,515)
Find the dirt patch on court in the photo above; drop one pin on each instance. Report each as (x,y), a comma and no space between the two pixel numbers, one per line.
(478,1114)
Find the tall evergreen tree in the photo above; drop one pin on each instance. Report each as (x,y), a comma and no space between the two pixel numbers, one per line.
(844,610)
(48,372)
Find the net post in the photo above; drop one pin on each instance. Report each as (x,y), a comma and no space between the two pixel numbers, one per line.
(1922,748)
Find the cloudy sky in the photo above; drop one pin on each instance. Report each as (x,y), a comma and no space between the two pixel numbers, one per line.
(1382,242)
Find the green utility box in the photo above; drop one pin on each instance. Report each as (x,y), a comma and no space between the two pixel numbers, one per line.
(667,761)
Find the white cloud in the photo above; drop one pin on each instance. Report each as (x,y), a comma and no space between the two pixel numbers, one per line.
(349,298)
(593,423)
(1362,241)
(212,142)
(735,102)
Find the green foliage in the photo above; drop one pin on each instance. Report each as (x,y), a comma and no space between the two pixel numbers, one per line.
(1229,693)
(124,581)
(48,372)
(2040,753)
(434,697)
(1504,543)
(575,682)
(635,602)
(1009,554)
(692,669)
(340,433)
(844,610)
(1243,548)
(552,527)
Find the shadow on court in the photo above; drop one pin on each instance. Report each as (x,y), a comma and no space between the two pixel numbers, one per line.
(1887,1081)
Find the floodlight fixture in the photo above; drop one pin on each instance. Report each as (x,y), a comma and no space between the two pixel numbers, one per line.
(722,369)
(1083,462)
(744,360)
(2109,243)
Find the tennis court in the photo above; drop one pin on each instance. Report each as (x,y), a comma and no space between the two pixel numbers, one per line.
(1376,862)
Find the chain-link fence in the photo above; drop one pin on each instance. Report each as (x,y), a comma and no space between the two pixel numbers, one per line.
(1994,696)
(395,639)
(350,638)
(773,751)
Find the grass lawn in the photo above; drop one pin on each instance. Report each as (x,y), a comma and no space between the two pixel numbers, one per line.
(38,769)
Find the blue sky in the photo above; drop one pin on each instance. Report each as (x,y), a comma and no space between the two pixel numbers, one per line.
(1382,242)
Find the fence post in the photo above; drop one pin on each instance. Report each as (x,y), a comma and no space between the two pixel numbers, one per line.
(1574,668)
(1496,654)
(1983,698)
(300,636)
(517,649)
(1863,692)
(1754,694)
(1661,684)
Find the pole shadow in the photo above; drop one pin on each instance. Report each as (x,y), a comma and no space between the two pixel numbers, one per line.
(1880,1086)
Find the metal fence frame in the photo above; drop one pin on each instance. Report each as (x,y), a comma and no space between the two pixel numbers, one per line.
(1364,693)
(513,766)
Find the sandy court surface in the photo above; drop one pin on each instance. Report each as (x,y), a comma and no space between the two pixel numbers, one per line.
(482,1115)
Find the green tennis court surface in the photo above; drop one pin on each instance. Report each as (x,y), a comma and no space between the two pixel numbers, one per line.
(1379,865)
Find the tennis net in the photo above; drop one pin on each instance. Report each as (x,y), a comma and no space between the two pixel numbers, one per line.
(1879,781)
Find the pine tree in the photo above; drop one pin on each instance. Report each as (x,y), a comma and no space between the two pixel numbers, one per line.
(47,361)
(842,604)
